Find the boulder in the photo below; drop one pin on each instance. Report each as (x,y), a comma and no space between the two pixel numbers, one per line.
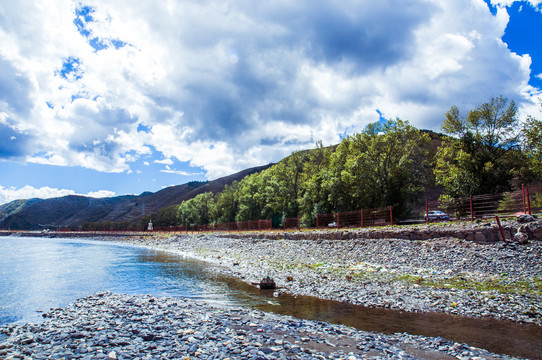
(533,230)
(521,238)
(479,237)
(524,218)
(267,283)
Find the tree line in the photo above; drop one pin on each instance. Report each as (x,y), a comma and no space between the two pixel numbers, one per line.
(389,163)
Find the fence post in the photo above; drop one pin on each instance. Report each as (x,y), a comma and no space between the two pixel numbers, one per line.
(298,223)
(361,217)
(391,214)
(528,200)
(338,219)
(523,197)
(500,228)
(471,209)
(317,216)
(426,212)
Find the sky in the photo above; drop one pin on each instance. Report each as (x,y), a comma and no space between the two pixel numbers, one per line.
(114,97)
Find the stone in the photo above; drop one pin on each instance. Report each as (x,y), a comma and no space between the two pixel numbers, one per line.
(521,238)
(524,218)
(479,237)
(267,283)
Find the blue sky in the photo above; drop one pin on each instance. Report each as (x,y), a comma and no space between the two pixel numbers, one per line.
(109,98)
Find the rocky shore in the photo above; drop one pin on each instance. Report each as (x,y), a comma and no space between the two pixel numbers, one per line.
(112,326)
(501,280)
(450,271)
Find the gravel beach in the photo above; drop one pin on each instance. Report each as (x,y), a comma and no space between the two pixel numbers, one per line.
(113,326)
(462,277)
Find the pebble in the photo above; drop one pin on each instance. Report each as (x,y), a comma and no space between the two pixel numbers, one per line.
(217,338)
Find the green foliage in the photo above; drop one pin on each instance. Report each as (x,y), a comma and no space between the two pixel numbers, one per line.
(314,198)
(532,146)
(226,204)
(507,204)
(165,217)
(197,211)
(483,159)
(387,164)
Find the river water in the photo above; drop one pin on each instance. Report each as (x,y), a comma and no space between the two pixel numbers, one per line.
(37,274)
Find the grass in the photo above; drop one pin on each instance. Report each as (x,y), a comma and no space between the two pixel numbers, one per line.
(500,284)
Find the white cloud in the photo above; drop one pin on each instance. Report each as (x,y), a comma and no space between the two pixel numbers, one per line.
(228,85)
(30,192)
(533,3)
(164,161)
(101,194)
(168,170)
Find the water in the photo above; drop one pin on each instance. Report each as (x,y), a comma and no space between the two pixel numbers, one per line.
(37,274)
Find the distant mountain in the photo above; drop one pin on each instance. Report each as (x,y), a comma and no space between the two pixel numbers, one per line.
(73,210)
(14,207)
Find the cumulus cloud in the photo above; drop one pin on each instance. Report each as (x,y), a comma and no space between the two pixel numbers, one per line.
(534,3)
(224,85)
(169,170)
(30,192)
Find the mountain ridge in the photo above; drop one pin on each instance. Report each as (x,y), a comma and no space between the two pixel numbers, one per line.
(75,210)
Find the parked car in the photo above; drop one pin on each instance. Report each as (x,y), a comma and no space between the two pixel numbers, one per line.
(436,215)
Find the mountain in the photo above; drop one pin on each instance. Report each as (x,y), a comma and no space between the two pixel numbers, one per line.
(14,207)
(74,210)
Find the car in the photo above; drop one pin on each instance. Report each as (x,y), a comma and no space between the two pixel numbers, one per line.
(436,215)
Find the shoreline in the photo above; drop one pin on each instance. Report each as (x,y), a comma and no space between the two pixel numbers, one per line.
(445,275)
(358,271)
(443,270)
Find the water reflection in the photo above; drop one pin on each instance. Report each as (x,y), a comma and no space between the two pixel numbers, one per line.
(504,337)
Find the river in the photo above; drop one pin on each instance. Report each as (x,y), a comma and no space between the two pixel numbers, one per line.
(37,274)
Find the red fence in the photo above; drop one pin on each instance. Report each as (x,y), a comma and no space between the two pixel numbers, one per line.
(360,218)
(524,201)
(527,200)
(291,223)
(252,225)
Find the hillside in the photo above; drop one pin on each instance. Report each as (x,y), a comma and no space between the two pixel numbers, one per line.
(72,211)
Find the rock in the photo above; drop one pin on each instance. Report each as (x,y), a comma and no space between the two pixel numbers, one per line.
(267,283)
(532,229)
(479,237)
(521,238)
(524,218)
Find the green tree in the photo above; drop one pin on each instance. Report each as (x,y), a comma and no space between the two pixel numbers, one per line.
(335,178)
(387,165)
(198,210)
(226,204)
(314,198)
(532,146)
(250,198)
(482,157)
